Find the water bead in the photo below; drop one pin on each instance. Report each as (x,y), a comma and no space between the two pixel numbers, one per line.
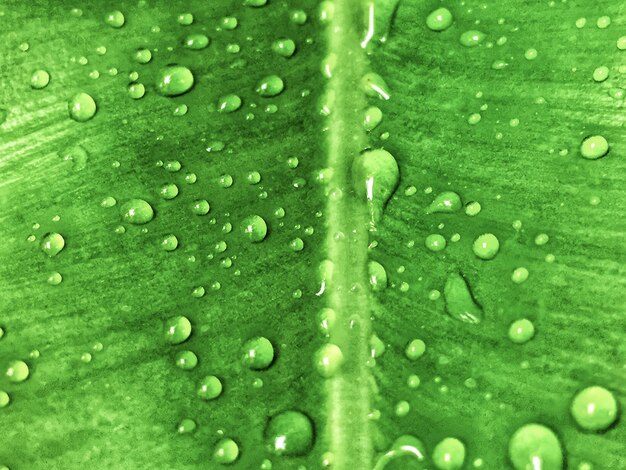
(174,80)
(254,228)
(200,207)
(196,41)
(284,47)
(521,331)
(136,90)
(81,107)
(594,147)
(530,54)
(449,454)
(474,118)
(519,275)
(377,275)
(270,86)
(186,360)
(186,426)
(17,371)
(115,19)
(373,117)
(600,74)
(435,242)
(54,279)
(594,408)
(5,399)
(603,22)
(473,208)
(374,85)
(228,103)
(184,19)
(296,244)
(254,177)
(177,329)
(136,211)
(445,202)
(328,359)
(229,23)
(169,242)
(471,38)
(415,349)
(460,303)
(258,353)
(39,79)
(486,246)
(226,451)
(209,388)
(298,17)
(439,20)
(375,176)
(534,446)
(52,243)
(289,433)
(621,43)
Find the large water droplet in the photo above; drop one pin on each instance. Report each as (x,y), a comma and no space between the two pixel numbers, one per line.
(486,246)
(174,80)
(81,107)
(328,360)
(269,86)
(534,446)
(254,228)
(460,303)
(439,20)
(136,211)
(449,454)
(226,451)
(375,176)
(52,243)
(594,408)
(17,371)
(377,275)
(594,147)
(209,388)
(290,433)
(258,353)
(445,202)
(177,329)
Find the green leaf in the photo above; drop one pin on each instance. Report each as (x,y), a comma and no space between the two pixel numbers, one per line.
(263,248)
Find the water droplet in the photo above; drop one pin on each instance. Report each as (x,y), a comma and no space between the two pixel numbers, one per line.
(169,242)
(296,244)
(258,353)
(196,41)
(5,399)
(168,191)
(439,20)
(404,446)
(534,446)
(474,118)
(377,276)
(290,433)
(530,54)
(600,74)
(449,454)
(445,202)
(17,371)
(186,426)
(136,90)
(326,11)
(270,86)
(519,275)
(377,347)
(54,279)
(229,23)
(594,408)
(298,17)
(52,243)
(136,211)
(521,331)
(473,208)
(471,38)
(460,303)
(373,85)
(486,246)
(594,147)
(603,22)
(200,207)
(39,79)
(177,329)
(174,80)
(415,349)
(435,242)
(228,103)
(375,176)
(254,228)
(81,107)
(184,19)
(326,319)
(284,47)
(328,360)
(373,117)
(115,19)
(226,451)
(621,43)
(209,388)
(186,360)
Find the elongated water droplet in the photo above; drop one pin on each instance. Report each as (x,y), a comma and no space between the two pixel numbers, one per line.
(375,175)
(373,85)
(594,147)
(196,42)
(534,446)
(445,202)
(174,80)
(377,276)
(269,86)
(290,433)
(228,103)
(460,303)
(471,38)
(136,211)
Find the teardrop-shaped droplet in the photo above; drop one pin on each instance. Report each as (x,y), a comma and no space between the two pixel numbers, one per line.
(445,202)
(460,303)
(375,175)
